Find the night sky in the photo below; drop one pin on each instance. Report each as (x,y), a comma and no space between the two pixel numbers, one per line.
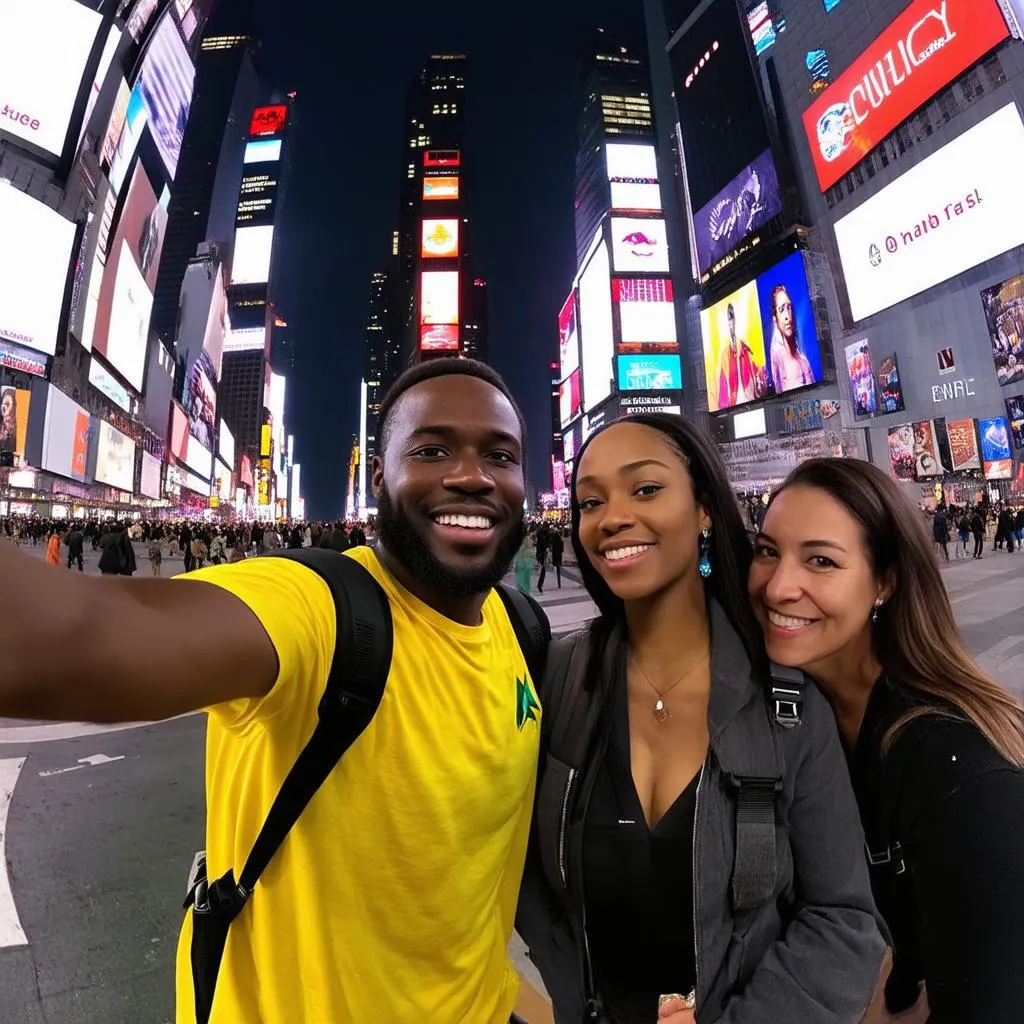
(351,65)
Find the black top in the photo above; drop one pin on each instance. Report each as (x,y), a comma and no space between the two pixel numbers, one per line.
(639,888)
(952,890)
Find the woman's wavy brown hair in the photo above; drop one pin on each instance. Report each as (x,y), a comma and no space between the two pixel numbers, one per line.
(916,637)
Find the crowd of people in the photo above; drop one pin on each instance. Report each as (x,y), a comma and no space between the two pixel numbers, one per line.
(1003,521)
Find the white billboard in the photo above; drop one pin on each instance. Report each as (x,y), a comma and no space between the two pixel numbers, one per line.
(35,257)
(253,249)
(129,320)
(639,245)
(642,196)
(149,479)
(631,161)
(65,445)
(115,458)
(596,330)
(44,47)
(954,210)
(226,444)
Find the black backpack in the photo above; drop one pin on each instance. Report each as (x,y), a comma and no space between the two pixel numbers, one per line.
(353,692)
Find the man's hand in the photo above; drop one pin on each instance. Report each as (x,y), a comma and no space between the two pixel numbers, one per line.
(675,1011)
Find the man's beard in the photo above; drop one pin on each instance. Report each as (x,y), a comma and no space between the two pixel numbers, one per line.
(400,537)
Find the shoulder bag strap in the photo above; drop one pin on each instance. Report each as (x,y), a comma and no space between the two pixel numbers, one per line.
(531,626)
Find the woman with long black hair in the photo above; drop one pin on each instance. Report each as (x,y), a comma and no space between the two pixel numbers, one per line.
(847,588)
(697,853)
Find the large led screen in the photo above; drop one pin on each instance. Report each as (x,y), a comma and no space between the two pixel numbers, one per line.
(14,406)
(130,312)
(639,245)
(115,126)
(996,456)
(570,398)
(945,215)
(65,441)
(636,197)
(139,17)
(597,331)
(1015,414)
(253,250)
(744,206)
(200,400)
(149,477)
(115,458)
(441,187)
(44,48)
(650,373)
(262,151)
(226,444)
(627,162)
(439,297)
(106,59)
(440,238)
(921,51)
(1004,314)
(35,260)
(439,337)
(862,378)
(761,339)
(647,315)
(268,120)
(568,339)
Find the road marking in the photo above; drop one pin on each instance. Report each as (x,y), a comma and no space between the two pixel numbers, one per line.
(83,762)
(11,933)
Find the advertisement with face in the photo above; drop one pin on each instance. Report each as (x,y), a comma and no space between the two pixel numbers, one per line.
(945,215)
(44,48)
(200,400)
(890,390)
(744,206)
(1004,314)
(787,317)
(734,355)
(922,50)
(115,458)
(440,239)
(963,445)
(639,245)
(650,373)
(996,457)
(1015,414)
(647,314)
(568,339)
(34,272)
(14,405)
(928,462)
(901,452)
(862,378)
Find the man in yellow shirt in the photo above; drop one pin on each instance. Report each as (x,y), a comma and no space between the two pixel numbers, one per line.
(393,897)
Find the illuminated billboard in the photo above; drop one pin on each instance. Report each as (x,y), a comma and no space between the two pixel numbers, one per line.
(1004,313)
(254,247)
(14,406)
(650,373)
(439,297)
(115,458)
(226,444)
(638,197)
(639,245)
(35,261)
(439,337)
(922,51)
(945,215)
(44,47)
(15,357)
(627,162)
(570,398)
(444,187)
(440,238)
(130,312)
(442,158)
(106,59)
(139,17)
(200,400)
(149,476)
(762,339)
(996,456)
(568,338)
(262,151)
(268,120)
(597,332)
(63,447)
(257,198)
(647,314)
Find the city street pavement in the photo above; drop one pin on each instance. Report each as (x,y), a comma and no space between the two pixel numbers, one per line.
(98,827)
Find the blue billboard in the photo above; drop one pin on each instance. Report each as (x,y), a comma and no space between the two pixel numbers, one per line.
(650,373)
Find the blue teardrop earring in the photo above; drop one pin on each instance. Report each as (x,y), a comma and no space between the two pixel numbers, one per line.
(704,565)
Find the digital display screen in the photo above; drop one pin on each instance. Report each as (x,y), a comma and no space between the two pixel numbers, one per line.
(257,198)
(35,263)
(44,48)
(115,458)
(200,399)
(103,382)
(439,337)
(116,124)
(639,245)
(762,339)
(254,247)
(996,457)
(762,29)
(263,151)
(627,162)
(149,478)
(568,338)
(945,215)
(570,397)
(65,442)
(441,188)
(920,52)
(14,406)
(650,373)
(106,59)
(1004,313)
(439,297)
(642,197)
(597,331)
(125,346)
(862,378)
(440,238)
(140,17)
(647,315)
(268,120)
(442,158)
(226,444)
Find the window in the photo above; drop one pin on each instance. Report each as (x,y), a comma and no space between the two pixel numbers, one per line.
(993,70)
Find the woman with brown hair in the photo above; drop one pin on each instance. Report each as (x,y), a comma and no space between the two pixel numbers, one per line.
(846,588)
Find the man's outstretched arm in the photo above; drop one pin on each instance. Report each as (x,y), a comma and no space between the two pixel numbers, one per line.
(80,648)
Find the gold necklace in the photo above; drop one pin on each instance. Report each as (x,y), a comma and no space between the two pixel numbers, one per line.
(661,711)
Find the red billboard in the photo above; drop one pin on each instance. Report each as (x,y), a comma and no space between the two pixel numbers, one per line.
(439,338)
(923,50)
(442,158)
(268,120)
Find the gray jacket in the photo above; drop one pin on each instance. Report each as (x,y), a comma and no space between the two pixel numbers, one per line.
(809,955)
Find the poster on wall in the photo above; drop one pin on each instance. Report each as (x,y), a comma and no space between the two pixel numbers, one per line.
(1004,314)
(890,390)
(901,452)
(862,378)
(963,445)
(1015,414)
(14,405)
(996,457)
(927,458)
(800,417)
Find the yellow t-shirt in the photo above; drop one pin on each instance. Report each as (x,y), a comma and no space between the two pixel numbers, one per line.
(393,898)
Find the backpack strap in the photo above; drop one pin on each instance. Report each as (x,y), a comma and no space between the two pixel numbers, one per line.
(756,864)
(531,626)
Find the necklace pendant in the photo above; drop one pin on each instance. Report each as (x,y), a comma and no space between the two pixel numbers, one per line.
(662,713)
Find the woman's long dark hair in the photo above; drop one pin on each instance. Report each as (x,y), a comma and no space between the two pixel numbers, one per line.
(730,548)
(916,637)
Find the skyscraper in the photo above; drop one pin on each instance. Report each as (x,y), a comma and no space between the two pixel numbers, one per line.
(375,369)
(206,183)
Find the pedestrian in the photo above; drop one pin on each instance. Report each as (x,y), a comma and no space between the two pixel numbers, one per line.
(357,536)
(557,548)
(523,566)
(940,531)
(978,530)
(542,540)
(846,588)
(76,548)
(53,548)
(156,556)
(964,529)
(656,719)
(394,894)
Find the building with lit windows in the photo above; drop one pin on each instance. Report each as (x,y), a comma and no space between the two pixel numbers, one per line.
(474,320)
(376,368)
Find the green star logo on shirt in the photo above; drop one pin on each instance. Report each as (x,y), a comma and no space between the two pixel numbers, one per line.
(526,703)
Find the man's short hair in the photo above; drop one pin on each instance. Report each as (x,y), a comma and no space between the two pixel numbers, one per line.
(444,367)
